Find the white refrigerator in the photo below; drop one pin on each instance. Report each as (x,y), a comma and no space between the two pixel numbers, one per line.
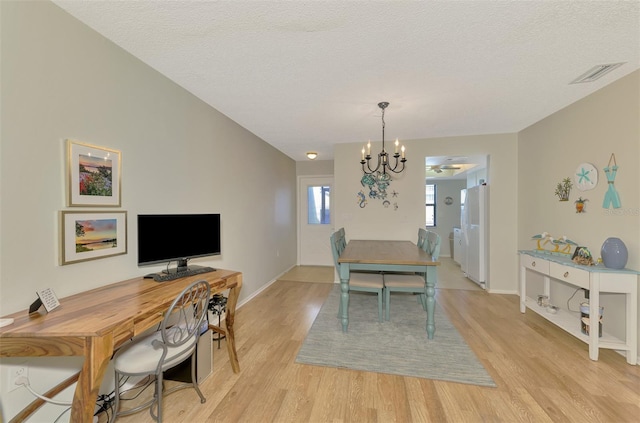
(474,223)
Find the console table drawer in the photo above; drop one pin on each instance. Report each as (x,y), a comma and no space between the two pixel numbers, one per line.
(534,263)
(577,277)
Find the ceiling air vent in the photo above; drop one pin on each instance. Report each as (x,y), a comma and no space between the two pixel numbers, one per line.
(596,72)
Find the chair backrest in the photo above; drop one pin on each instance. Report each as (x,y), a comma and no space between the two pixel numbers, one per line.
(184,318)
(422,237)
(338,244)
(342,238)
(432,245)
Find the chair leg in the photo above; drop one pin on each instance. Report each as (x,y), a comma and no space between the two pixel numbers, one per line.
(380,295)
(158,399)
(387,301)
(194,379)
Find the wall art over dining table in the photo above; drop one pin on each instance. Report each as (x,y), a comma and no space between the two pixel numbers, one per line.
(376,185)
(93,175)
(90,235)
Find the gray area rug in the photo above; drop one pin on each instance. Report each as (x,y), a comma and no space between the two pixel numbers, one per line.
(398,347)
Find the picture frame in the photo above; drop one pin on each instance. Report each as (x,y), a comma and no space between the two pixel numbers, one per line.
(91,235)
(93,175)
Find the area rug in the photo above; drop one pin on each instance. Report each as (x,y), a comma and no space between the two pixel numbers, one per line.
(398,347)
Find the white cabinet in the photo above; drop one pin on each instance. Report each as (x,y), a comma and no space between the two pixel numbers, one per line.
(457,245)
(596,279)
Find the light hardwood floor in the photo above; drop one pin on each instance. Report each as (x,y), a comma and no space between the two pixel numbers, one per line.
(543,374)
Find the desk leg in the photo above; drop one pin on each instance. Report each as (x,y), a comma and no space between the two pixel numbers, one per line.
(431,276)
(234,293)
(344,296)
(98,351)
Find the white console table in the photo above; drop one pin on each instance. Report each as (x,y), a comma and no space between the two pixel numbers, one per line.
(596,279)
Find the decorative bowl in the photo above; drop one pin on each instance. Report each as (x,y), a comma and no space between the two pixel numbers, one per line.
(552,309)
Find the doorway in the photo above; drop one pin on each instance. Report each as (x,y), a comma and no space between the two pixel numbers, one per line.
(315,220)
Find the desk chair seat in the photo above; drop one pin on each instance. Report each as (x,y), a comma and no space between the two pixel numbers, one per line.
(171,345)
(363,282)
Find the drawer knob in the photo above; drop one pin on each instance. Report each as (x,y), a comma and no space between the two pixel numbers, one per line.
(566,274)
(533,264)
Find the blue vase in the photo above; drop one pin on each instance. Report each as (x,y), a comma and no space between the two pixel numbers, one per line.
(614,253)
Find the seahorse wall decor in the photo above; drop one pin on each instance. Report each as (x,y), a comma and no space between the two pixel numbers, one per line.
(611,196)
(377,185)
(362,200)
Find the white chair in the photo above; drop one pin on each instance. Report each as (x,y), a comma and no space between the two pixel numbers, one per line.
(364,282)
(174,343)
(411,283)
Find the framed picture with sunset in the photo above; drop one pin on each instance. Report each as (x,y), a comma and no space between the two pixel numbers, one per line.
(93,175)
(91,235)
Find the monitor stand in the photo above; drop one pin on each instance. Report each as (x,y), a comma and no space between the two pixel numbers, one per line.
(180,267)
(183,268)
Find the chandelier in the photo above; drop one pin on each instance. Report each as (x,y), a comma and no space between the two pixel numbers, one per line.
(383,156)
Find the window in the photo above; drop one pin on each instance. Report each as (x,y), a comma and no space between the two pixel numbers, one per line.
(318,205)
(430,205)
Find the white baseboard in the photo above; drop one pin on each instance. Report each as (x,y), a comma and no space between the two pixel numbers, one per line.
(262,288)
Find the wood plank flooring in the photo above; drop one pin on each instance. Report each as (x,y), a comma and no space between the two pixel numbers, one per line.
(543,374)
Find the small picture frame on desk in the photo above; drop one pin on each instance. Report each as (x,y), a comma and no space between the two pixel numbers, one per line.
(46,298)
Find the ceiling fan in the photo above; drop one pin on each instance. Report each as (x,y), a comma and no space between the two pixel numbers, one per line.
(440,168)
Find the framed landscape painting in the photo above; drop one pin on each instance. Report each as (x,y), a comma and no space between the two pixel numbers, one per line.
(92,235)
(93,175)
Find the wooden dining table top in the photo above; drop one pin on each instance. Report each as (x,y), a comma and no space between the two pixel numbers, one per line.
(385,252)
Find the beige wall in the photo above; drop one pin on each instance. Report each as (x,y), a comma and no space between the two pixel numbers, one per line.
(589,130)
(62,80)
(376,222)
(314,168)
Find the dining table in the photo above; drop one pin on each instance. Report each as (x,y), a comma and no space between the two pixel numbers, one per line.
(387,256)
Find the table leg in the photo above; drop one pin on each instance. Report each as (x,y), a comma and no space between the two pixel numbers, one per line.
(594,319)
(234,293)
(432,277)
(98,351)
(344,296)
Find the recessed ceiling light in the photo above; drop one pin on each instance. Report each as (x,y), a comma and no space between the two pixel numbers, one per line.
(596,72)
(312,155)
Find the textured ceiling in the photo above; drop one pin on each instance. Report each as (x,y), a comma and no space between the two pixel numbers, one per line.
(305,75)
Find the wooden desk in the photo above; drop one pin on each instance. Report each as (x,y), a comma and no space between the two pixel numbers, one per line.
(95,323)
(390,256)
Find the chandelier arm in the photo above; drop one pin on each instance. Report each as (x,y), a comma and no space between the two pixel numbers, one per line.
(368,165)
(393,169)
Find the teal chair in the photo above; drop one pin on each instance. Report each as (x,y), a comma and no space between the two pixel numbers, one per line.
(363,282)
(411,283)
